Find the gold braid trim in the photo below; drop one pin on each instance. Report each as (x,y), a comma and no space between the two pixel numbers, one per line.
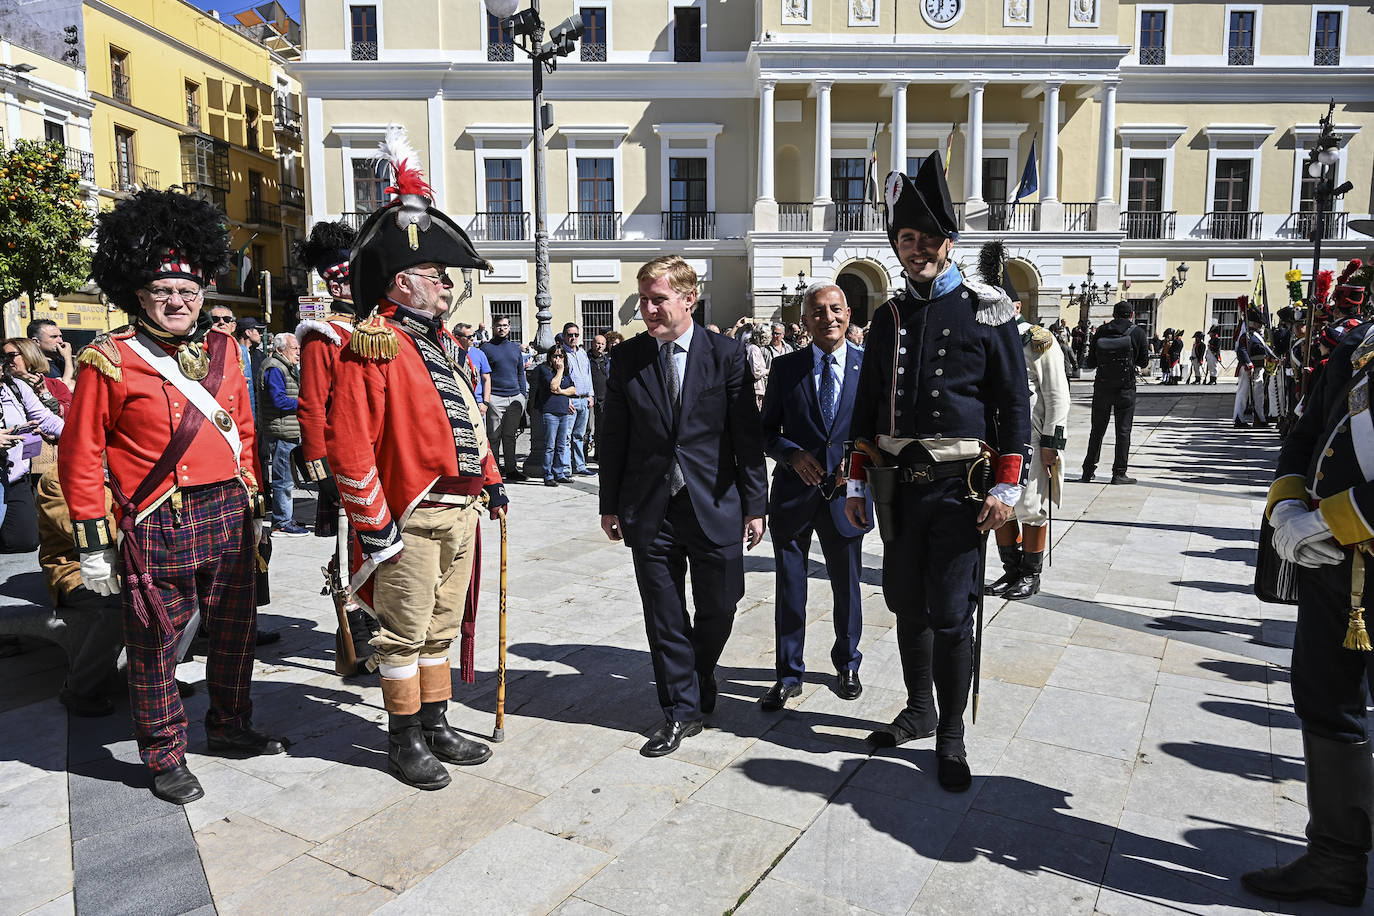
(373,339)
(103,356)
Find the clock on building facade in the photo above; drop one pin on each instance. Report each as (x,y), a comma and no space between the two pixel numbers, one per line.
(941,14)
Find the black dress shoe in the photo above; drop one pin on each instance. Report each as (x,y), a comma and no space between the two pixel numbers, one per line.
(85,705)
(515,477)
(709,692)
(1122,480)
(778,695)
(850,687)
(954,774)
(550,482)
(1086,478)
(248,742)
(177,785)
(668,737)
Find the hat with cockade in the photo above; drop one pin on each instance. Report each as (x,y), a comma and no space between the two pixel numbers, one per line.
(408,230)
(327,250)
(921,202)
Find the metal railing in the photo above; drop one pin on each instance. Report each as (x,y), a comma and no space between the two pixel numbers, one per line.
(857,216)
(119,86)
(263,212)
(687,50)
(1080,217)
(1152,57)
(593,51)
(959,213)
(1326,57)
(1009,217)
(678,225)
(794,216)
(133,178)
(594,225)
(286,118)
(1240,57)
(82,163)
(501,227)
(501,51)
(362,50)
(1304,222)
(1148,224)
(292,196)
(1233,224)
(193,115)
(354,219)
(215,195)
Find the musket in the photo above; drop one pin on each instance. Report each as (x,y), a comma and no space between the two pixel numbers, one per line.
(345,659)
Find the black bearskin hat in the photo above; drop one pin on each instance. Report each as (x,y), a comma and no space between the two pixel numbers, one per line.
(157,233)
(408,231)
(992,267)
(921,203)
(327,250)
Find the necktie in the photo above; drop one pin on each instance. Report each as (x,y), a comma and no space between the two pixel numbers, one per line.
(669,350)
(828,391)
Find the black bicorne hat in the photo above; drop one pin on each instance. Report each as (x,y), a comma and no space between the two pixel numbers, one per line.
(408,231)
(921,203)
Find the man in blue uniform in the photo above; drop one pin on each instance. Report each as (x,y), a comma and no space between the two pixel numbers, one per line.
(941,431)
(1322,508)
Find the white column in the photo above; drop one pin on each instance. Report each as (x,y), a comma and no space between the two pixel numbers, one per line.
(1106,144)
(898,127)
(765,205)
(973,174)
(435,160)
(822,206)
(1049,169)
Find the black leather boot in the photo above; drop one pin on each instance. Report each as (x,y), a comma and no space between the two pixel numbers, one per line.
(1340,804)
(447,744)
(1011,569)
(953,675)
(409,756)
(1028,578)
(917,720)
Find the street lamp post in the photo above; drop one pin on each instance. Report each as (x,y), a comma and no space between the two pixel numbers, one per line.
(1321,165)
(1089,295)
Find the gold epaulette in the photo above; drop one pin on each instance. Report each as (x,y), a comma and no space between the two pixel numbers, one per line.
(1041,339)
(373,339)
(103,354)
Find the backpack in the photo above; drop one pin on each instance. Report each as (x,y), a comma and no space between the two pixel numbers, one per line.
(1115,360)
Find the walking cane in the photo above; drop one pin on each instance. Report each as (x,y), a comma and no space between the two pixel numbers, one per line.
(978,646)
(499,734)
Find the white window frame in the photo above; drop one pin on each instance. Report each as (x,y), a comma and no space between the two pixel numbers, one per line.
(1259,21)
(1312,30)
(1131,134)
(599,132)
(581,298)
(1168,10)
(1255,135)
(482,134)
(522,298)
(381,17)
(1304,135)
(701,6)
(359,142)
(610,26)
(482,31)
(667,134)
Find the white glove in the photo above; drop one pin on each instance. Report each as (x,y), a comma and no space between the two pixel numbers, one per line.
(98,572)
(1303,537)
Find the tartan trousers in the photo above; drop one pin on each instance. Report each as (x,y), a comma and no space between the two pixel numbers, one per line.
(201,556)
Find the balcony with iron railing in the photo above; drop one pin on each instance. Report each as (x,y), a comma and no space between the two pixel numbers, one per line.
(857,216)
(297,280)
(591,226)
(593,51)
(501,51)
(1230,225)
(354,219)
(119,87)
(285,118)
(500,226)
(132,178)
(215,195)
(1148,224)
(1013,217)
(292,196)
(193,115)
(1152,57)
(82,163)
(363,50)
(1240,57)
(1326,57)
(263,212)
(1080,217)
(1303,223)
(794,216)
(680,225)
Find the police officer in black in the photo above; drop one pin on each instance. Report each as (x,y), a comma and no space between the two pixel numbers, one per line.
(1321,506)
(941,424)
(1119,348)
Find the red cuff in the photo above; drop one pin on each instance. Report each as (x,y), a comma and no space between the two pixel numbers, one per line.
(858,466)
(1009,469)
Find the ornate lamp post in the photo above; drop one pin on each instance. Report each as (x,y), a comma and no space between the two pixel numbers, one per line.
(794,298)
(1321,165)
(1175,283)
(1090,294)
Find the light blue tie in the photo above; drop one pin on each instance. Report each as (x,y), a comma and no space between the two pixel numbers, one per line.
(828,392)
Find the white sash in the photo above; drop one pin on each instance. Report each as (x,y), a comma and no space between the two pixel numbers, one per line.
(1362,427)
(195,392)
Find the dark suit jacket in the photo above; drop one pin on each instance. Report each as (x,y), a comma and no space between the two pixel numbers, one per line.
(717,438)
(792,420)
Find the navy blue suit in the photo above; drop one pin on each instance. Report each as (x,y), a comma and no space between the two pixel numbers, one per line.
(715,436)
(792,420)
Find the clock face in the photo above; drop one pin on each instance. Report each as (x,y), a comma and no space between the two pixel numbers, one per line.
(941,13)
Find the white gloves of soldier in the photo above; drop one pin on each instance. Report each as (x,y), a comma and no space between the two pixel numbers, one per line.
(1302,536)
(98,572)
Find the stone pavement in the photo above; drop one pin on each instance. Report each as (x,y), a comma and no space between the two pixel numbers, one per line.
(1135,748)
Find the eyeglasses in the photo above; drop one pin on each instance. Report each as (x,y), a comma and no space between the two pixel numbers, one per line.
(571,336)
(8,356)
(161,295)
(442,278)
(224,319)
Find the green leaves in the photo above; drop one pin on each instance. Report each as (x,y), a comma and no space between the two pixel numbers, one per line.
(43,221)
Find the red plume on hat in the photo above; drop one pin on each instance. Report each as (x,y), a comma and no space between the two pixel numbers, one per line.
(1322,289)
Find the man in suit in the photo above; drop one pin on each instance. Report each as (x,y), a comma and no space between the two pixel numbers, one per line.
(806,413)
(683,483)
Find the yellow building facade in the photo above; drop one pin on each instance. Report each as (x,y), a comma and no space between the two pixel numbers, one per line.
(742,136)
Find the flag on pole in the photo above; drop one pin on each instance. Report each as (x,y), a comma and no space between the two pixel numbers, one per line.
(1261,296)
(949,147)
(245,262)
(1030,176)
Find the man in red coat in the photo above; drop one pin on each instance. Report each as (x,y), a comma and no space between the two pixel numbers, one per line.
(166,405)
(408,449)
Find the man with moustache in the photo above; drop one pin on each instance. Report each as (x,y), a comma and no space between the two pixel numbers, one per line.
(943,402)
(806,414)
(682,482)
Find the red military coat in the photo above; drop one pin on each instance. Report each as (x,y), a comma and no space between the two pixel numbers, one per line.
(125,412)
(321,343)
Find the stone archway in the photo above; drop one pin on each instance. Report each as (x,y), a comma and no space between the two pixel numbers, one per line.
(1026,278)
(865,288)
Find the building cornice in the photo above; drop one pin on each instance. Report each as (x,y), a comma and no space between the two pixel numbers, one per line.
(926,61)
(1244,84)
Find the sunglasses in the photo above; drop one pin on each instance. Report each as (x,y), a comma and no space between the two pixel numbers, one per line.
(224,319)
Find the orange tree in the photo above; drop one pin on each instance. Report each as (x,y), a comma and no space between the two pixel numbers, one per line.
(42,223)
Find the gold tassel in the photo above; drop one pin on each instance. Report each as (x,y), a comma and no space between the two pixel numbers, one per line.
(1356,636)
(372,339)
(262,564)
(97,359)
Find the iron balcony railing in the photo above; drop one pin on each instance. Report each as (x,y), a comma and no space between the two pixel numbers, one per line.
(1013,217)
(593,51)
(501,51)
(1152,57)
(594,225)
(959,213)
(794,216)
(1326,57)
(1148,224)
(679,225)
(215,195)
(193,115)
(857,216)
(1304,222)
(1240,57)
(501,227)
(119,84)
(1233,224)
(363,50)
(1080,217)
(133,177)
(286,118)
(292,196)
(82,163)
(263,212)
(354,219)
(687,50)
